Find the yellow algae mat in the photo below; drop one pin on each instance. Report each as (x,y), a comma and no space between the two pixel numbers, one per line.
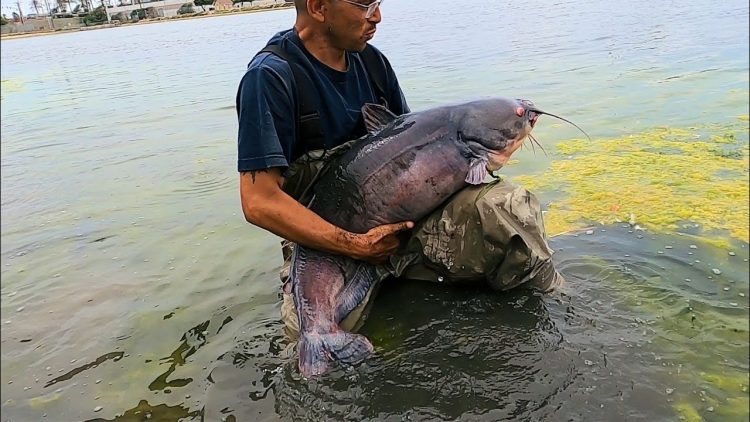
(659,179)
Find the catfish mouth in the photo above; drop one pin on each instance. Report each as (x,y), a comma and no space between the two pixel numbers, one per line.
(533,117)
(526,110)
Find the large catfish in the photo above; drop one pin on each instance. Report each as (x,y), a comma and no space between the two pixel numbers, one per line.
(404,168)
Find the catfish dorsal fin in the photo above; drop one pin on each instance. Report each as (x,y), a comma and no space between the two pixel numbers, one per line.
(376,116)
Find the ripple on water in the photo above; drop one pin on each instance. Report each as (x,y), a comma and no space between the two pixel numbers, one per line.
(628,337)
(616,342)
(205,184)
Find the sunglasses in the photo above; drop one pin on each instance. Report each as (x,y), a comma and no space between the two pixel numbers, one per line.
(371,8)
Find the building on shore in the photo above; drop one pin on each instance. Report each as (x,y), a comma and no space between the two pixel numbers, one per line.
(169,8)
(223,5)
(40,24)
(146,8)
(133,10)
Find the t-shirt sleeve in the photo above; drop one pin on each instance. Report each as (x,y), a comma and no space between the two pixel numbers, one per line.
(265,111)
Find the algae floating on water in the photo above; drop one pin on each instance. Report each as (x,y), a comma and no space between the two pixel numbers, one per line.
(661,179)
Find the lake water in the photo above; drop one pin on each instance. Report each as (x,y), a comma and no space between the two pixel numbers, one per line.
(133,288)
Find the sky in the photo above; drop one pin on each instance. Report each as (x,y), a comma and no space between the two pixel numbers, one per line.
(9,6)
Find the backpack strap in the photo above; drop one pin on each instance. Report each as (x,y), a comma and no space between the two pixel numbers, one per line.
(376,70)
(309,129)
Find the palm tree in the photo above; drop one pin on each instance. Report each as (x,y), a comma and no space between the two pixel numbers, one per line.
(63,6)
(37,6)
(202,3)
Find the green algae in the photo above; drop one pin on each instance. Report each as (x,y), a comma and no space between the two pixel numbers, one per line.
(735,409)
(660,179)
(734,383)
(10,85)
(732,409)
(688,412)
(692,320)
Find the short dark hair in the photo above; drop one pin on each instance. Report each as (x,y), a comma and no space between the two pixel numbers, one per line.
(301,6)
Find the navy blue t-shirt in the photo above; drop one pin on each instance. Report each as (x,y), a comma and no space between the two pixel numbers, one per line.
(266,104)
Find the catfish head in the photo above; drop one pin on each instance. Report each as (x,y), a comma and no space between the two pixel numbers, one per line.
(488,130)
(490,127)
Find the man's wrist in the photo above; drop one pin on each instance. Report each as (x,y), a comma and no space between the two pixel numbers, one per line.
(349,244)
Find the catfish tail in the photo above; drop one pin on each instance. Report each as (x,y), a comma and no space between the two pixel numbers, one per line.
(317,351)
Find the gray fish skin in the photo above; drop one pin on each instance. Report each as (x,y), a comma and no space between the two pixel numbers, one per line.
(401,170)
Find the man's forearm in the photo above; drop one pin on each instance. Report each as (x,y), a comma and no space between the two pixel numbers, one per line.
(266,205)
(282,215)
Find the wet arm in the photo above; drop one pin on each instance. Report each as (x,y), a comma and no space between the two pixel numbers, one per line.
(266,205)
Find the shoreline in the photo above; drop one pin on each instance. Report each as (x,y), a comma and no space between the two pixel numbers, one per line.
(4,37)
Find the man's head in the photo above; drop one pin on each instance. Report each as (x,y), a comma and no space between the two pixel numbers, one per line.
(345,24)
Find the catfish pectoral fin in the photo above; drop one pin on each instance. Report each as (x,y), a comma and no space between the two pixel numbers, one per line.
(477,172)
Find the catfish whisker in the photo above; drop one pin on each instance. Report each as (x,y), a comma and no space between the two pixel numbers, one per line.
(532,144)
(535,141)
(563,119)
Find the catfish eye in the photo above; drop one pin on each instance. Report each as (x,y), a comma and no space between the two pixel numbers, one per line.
(520,111)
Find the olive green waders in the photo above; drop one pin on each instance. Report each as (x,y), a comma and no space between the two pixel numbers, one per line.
(491,233)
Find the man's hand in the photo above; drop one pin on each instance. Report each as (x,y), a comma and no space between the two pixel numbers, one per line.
(380,242)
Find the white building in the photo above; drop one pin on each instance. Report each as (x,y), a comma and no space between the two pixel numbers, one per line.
(169,8)
(157,8)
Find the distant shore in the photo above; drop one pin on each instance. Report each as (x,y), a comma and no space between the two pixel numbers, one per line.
(199,15)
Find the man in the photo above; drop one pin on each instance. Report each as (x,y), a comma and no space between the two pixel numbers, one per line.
(280,153)
(328,32)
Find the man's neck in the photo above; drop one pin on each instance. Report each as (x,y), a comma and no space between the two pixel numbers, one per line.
(320,47)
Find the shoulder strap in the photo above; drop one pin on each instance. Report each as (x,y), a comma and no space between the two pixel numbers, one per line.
(376,70)
(309,130)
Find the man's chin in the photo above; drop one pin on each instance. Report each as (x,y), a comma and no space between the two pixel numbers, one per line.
(357,48)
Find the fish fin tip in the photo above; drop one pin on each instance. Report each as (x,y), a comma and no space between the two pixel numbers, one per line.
(313,358)
(355,291)
(477,172)
(316,352)
(376,117)
(349,348)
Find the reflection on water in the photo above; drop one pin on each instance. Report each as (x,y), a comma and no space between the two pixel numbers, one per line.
(145,411)
(133,288)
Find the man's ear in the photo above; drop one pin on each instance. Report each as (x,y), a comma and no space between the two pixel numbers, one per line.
(318,9)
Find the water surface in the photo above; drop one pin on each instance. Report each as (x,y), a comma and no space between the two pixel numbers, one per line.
(132,286)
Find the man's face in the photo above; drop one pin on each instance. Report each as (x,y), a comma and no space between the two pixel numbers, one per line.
(348,27)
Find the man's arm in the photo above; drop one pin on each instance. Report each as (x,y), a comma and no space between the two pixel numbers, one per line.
(266,205)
